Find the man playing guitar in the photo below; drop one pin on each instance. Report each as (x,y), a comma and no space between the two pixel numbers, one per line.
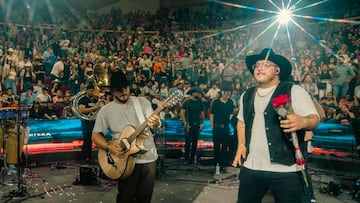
(117,116)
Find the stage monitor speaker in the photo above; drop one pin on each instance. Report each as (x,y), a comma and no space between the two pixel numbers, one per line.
(88,174)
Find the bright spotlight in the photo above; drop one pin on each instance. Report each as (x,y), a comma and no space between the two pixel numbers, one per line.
(284,16)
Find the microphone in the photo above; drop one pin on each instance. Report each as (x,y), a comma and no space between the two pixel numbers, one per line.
(282,116)
(282,113)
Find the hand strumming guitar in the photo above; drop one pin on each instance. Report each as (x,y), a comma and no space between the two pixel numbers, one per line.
(114,148)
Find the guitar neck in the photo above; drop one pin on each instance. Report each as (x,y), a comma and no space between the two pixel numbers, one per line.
(142,127)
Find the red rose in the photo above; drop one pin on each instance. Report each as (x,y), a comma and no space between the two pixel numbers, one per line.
(281,100)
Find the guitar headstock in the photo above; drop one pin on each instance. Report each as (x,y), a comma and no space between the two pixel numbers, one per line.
(174,98)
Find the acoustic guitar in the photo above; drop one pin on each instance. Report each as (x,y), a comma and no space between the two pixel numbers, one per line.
(131,140)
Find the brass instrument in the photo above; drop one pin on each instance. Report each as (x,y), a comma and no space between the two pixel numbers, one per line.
(101,81)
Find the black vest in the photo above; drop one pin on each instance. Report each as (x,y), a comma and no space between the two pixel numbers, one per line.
(280,146)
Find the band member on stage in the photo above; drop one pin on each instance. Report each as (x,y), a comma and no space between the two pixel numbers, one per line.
(192,115)
(221,109)
(88,104)
(11,146)
(117,115)
(263,143)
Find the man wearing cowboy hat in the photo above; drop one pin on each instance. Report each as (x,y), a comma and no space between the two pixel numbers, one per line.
(10,57)
(264,150)
(115,117)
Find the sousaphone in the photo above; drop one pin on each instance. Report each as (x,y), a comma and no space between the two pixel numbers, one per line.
(101,81)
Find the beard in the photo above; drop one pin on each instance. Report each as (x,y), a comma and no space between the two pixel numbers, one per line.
(122,98)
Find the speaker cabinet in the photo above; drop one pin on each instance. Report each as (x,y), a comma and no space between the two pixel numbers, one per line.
(88,174)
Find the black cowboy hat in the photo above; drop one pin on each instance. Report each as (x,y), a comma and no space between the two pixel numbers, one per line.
(118,81)
(268,54)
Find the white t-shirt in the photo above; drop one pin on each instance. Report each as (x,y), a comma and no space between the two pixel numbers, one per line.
(259,155)
(57,68)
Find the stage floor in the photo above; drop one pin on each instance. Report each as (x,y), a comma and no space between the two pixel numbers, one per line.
(59,182)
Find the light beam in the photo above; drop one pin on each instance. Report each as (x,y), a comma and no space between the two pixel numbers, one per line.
(283,16)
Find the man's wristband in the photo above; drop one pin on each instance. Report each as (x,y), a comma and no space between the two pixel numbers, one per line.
(107,148)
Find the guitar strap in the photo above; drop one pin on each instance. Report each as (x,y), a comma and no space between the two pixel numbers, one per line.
(138,109)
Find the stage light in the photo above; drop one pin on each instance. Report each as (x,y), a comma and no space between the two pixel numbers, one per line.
(284,16)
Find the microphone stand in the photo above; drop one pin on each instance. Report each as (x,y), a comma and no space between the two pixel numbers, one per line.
(165,138)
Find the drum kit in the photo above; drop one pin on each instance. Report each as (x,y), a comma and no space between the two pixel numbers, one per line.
(11,143)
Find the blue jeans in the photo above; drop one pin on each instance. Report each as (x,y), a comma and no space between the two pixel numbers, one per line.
(10,84)
(285,187)
(340,90)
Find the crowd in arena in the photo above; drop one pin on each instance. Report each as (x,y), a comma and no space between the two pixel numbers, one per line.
(44,67)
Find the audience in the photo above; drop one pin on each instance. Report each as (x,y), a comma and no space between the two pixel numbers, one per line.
(344,116)
(53,63)
(50,113)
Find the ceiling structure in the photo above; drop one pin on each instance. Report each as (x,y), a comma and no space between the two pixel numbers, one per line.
(84,5)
